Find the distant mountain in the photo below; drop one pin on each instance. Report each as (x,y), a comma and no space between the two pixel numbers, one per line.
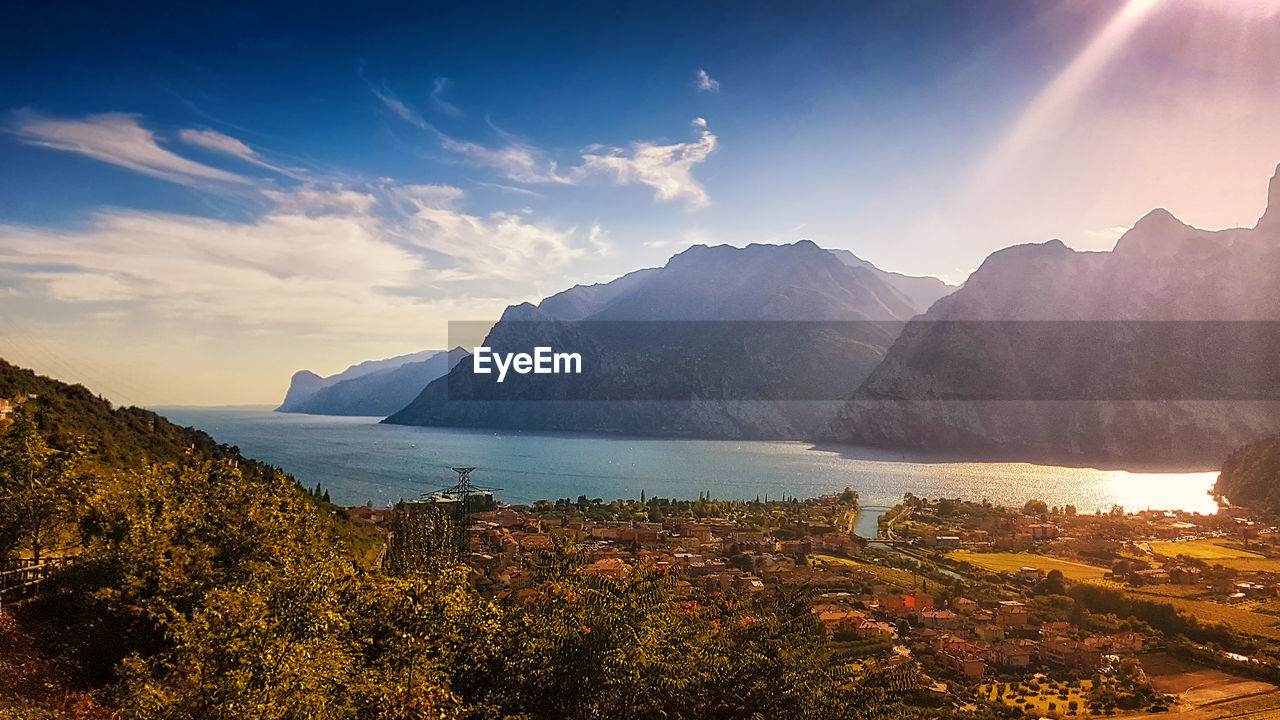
(1251,476)
(921,292)
(1161,350)
(705,346)
(373,388)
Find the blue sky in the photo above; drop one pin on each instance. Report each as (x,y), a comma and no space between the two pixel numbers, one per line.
(196,202)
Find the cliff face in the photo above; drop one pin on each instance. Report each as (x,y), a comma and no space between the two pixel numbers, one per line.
(706,346)
(1157,351)
(373,388)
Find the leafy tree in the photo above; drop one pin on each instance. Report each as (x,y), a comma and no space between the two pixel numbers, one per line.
(1054,583)
(40,486)
(422,541)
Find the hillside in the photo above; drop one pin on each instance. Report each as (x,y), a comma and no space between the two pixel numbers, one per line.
(118,437)
(720,342)
(1251,476)
(1158,351)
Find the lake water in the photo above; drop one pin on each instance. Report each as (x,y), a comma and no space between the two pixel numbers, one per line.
(358,460)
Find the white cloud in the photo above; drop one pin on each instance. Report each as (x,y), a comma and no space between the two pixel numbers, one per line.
(665,168)
(507,188)
(324,261)
(599,240)
(668,169)
(438,89)
(216,141)
(519,163)
(118,139)
(227,145)
(706,83)
(502,246)
(397,106)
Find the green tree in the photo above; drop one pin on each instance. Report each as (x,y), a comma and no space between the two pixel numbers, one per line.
(40,486)
(422,540)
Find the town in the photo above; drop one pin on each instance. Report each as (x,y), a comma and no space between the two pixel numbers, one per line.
(1037,610)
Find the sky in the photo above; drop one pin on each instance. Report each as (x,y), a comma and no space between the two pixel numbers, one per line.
(197,202)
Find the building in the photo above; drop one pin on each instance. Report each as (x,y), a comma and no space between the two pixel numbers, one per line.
(1043,531)
(1067,653)
(1015,654)
(609,567)
(1011,613)
(941,619)
(1153,576)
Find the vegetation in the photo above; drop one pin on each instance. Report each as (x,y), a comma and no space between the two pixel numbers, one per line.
(207,587)
(1251,476)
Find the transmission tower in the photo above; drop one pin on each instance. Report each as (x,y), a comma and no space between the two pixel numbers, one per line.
(462,493)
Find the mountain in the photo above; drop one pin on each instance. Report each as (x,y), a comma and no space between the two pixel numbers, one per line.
(921,292)
(372,388)
(117,437)
(1251,476)
(1159,351)
(716,343)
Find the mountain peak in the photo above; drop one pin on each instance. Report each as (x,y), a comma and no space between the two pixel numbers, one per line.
(1157,232)
(1271,216)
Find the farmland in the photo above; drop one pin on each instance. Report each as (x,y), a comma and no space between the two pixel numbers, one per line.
(888,575)
(1218,552)
(1040,697)
(1004,562)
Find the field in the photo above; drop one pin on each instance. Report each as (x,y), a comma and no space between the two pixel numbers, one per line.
(889,575)
(1218,552)
(1051,696)
(1200,688)
(1011,562)
(1241,619)
(1208,550)
(1156,592)
(1253,617)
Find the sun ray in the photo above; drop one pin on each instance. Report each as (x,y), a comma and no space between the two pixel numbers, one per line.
(1055,102)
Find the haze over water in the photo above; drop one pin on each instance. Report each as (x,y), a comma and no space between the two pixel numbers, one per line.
(358,460)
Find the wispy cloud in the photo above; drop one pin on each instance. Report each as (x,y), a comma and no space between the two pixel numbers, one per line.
(706,83)
(519,163)
(393,103)
(500,246)
(668,169)
(120,140)
(507,188)
(227,145)
(383,261)
(438,89)
(665,168)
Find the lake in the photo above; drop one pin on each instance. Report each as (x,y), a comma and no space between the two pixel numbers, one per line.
(358,460)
